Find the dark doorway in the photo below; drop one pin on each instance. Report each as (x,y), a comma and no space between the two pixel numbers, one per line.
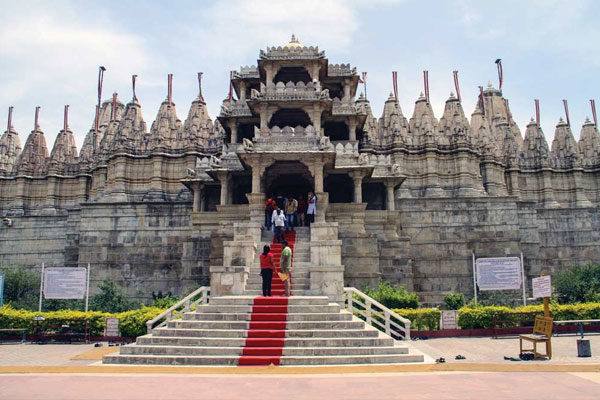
(212,197)
(374,194)
(336,130)
(290,117)
(240,185)
(340,188)
(288,178)
(293,74)
(245,131)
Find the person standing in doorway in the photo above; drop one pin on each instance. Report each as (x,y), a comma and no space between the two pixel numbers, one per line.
(291,206)
(279,222)
(267,269)
(302,206)
(312,207)
(269,208)
(286,267)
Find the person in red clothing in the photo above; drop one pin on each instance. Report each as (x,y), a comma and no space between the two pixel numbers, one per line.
(269,207)
(267,269)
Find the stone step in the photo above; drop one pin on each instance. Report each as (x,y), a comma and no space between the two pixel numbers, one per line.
(238,351)
(284,360)
(242,333)
(241,341)
(245,325)
(293,300)
(311,316)
(333,308)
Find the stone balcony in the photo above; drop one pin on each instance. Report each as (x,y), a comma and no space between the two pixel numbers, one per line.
(235,108)
(290,92)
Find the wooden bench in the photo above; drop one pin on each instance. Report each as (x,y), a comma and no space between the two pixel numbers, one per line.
(579,322)
(542,333)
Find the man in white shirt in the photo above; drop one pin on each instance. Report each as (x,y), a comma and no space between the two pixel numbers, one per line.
(279,223)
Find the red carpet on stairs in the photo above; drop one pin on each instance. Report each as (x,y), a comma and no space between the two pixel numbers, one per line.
(266,336)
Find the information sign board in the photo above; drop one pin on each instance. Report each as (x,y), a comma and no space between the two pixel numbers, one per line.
(542,286)
(64,283)
(449,318)
(112,327)
(501,273)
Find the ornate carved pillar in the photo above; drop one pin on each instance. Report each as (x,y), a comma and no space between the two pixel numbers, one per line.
(317,119)
(269,75)
(256,178)
(263,117)
(233,127)
(357,177)
(224,179)
(391,201)
(346,98)
(242,91)
(352,128)
(198,198)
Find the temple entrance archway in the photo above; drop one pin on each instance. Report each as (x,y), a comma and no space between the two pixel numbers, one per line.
(287,178)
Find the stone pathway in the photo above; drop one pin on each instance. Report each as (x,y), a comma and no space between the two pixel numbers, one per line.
(448,385)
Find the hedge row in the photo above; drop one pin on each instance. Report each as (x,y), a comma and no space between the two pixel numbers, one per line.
(421,318)
(482,317)
(131,323)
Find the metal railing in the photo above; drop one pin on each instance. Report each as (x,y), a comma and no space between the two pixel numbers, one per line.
(376,314)
(183,306)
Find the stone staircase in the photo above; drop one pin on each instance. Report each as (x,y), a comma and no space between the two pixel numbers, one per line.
(255,330)
(317,332)
(300,265)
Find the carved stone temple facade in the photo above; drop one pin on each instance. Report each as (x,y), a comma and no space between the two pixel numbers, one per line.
(405,198)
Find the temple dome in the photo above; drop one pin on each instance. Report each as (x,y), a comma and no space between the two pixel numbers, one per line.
(293,43)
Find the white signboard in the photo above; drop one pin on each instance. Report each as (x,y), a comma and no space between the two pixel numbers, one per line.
(542,286)
(112,327)
(64,283)
(498,273)
(449,318)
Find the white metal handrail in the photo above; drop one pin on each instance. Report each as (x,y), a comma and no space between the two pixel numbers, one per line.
(376,314)
(174,311)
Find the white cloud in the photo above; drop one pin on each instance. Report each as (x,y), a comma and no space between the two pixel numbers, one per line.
(52,55)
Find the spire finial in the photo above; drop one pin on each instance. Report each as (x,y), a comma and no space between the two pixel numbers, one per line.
(170,88)
(66,119)
(133,79)
(200,97)
(113,111)
(9,124)
(36,121)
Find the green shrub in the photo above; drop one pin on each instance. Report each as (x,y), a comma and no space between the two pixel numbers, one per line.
(482,317)
(164,301)
(577,284)
(422,318)
(393,296)
(131,323)
(454,301)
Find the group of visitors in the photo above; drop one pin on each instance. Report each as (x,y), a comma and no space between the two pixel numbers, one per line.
(268,269)
(285,213)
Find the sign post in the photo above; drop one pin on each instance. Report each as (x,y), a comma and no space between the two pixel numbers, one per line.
(474,279)
(542,287)
(87,288)
(1,290)
(65,283)
(41,288)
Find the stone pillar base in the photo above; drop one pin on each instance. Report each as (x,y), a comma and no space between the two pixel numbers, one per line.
(228,281)
(328,280)
(322,204)
(256,206)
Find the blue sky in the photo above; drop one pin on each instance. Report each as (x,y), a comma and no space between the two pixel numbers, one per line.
(50,52)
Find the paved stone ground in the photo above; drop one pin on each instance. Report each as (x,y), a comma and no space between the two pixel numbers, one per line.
(489,350)
(475,349)
(532,385)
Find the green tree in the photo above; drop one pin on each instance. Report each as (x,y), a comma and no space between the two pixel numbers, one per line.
(110,299)
(393,296)
(577,284)
(21,287)
(454,301)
